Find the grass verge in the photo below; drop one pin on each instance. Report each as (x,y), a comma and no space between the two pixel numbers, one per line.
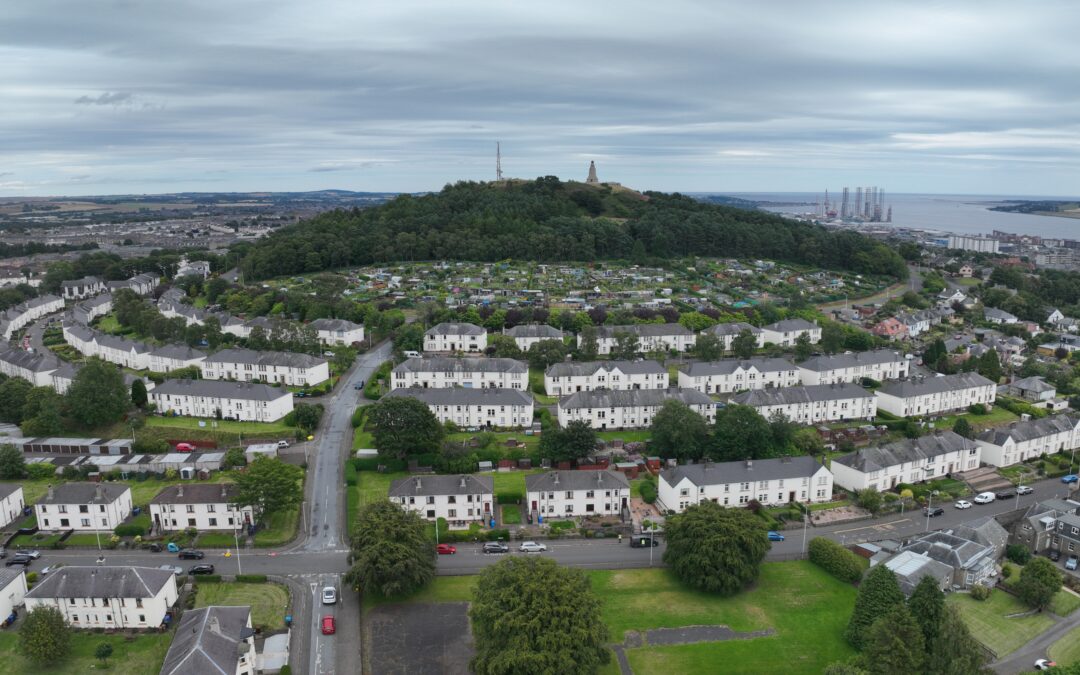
(269,602)
(143,653)
(989,623)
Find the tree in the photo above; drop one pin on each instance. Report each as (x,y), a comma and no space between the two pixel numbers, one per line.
(740,432)
(1039,581)
(138,393)
(878,593)
(781,429)
(503,347)
(953,651)
(708,347)
(927,605)
(391,553)
(531,615)
(404,426)
(12,463)
(808,441)
(269,486)
(573,442)
(103,652)
(832,337)
(678,431)
(98,395)
(895,644)
(715,549)
(234,457)
(625,347)
(803,347)
(989,366)
(306,416)
(45,637)
(41,412)
(869,499)
(696,321)
(546,353)
(963,428)
(13,393)
(744,344)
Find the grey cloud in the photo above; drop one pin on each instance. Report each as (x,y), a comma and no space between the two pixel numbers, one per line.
(107,98)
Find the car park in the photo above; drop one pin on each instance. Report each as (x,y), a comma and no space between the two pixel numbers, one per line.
(984,498)
(933,512)
(191,554)
(1024,490)
(495,547)
(962,504)
(1070,564)
(201,569)
(328,626)
(775,536)
(1071,478)
(445,549)
(176,570)
(532,547)
(1005,494)
(329,595)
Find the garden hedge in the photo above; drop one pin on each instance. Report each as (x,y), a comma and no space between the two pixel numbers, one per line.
(835,559)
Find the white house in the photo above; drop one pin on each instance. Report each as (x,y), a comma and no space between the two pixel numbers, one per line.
(880,365)
(455,337)
(998,316)
(187,267)
(651,337)
(771,482)
(460,500)
(112,348)
(16,318)
(727,332)
(488,408)
(440,372)
(213,640)
(570,494)
(567,377)
(248,365)
(174,357)
(83,506)
(141,284)
(12,589)
(36,368)
(731,375)
(906,461)
(527,335)
(786,332)
(92,308)
(203,506)
(108,597)
(241,401)
(628,409)
(813,404)
(77,289)
(935,395)
(1021,441)
(11,504)
(335,332)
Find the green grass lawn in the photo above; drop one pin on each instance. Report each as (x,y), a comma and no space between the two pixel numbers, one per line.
(88,539)
(280,529)
(217,540)
(1066,651)
(375,486)
(995,417)
(968,282)
(511,514)
(362,438)
(222,425)
(989,625)
(536,384)
(1064,602)
(500,438)
(109,324)
(627,436)
(269,602)
(143,653)
(39,540)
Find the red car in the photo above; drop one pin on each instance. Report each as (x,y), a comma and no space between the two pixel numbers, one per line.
(328,627)
(185,447)
(445,549)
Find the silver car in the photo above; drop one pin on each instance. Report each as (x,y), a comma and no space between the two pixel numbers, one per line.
(329,595)
(532,547)
(177,571)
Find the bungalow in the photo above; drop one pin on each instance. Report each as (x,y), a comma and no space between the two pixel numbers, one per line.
(459,500)
(77,289)
(84,506)
(11,505)
(248,365)
(906,461)
(1054,317)
(212,640)
(935,395)
(786,332)
(998,316)
(440,372)
(455,337)
(732,375)
(111,598)
(814,404)
(947,298)
(651,337)
(12,589)
(336,332)
(1021,441)
(570,494)
(727,332)
(242,401)
(768,481)
(628,409)
(880,365)
(566,377)
(1034,389)
(466,408)
(203,506)
(527,335)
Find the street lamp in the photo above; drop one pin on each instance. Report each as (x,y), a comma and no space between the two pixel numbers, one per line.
(929,510)
(236,541)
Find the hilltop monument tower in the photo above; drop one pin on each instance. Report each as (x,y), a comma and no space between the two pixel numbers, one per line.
(592,174)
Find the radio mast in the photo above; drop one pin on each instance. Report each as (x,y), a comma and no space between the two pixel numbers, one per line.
(498,162)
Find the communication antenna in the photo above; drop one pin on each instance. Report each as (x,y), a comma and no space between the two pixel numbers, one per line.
(498,162)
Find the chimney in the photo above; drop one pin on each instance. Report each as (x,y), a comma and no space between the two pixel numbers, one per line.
(556,475)
(213,625)
(180,490)
(463,481)
(98,492)
(749,464)
(418,483)
(599,477)
(50,491)
(224,490)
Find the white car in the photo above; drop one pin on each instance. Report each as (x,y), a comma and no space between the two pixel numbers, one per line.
(329,595)
(177,571)
(532,547)
(1024,490)
(962,504)
(30,554)
(1044,664)
(328,354)
(985,497)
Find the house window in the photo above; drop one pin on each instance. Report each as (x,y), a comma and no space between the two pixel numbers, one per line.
(569,495)
(213,522)
(452,513)
(685,492)
(85,522)
(138,602)
(191,508)
(82,509)
(430,500)
(569,508)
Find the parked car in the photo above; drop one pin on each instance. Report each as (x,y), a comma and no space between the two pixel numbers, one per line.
(1005,494)
(358,386)
(191,554)
(495,547)
(1070,564)
(1044,664)
(328,626)
(1071,478)
(962,504)
(51,568)
(775,536)
(185,447)
(532,547)
(445,549)
(205,568)
(154,547)
(411,354)
(329,595)
(177,571)
(1024,490)
(1054,554)
(283,444)
(3,553)
(984,498)
(933,512)
(328,354)
(641,541)
(19,559)
(34,554)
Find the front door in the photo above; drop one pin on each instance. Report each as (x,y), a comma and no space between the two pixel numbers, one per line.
(791,496)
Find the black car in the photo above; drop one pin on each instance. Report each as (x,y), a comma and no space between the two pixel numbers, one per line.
(638,541)
(191,554)
(201,569)
(20,559)
(1053,554)
(495,547)
(1005,494)
(155,547)
(936,511)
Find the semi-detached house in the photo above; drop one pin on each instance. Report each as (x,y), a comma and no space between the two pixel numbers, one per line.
(248,365)
(732,375)
(526,335)
(628,409)
(935,395)
(567,377)
(570,494)
(813,404)
(460,500)
(337,332)
(486,408)
(770,482)
(1021,441)
(107,597)
(440,372)
(77,289)
(455,337)
(785,333)
(906,461)
(83,506)
(727,332)
(203,506)
(212,640)
(651,337)
(241,401)
(880,365)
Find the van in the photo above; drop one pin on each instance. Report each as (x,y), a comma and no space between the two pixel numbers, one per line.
(411,354)
(984,498)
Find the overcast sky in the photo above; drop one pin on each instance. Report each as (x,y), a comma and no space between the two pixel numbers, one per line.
(117,96)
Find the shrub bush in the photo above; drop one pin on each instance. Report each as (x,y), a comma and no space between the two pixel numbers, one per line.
(977,409)
(509,497)
(648,492)
(40,471)
(835,559)
(1006,571)
(980,592)
(251,578)
(1018,554)
(358,416)
(129,530)
(31,577)
(350,473)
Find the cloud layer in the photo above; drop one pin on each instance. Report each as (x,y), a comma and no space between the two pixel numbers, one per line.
(124,96)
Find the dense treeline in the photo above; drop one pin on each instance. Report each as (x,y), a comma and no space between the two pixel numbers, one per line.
(1036,294)
(33,247)
(549,220)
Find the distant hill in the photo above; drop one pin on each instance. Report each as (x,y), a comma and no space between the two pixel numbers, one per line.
(547,219)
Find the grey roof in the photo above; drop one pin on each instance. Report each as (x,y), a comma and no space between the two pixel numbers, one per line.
(472,364)
(644,330)
(35,362)
(905,450)
(985,530)
(464,396)
(535,330)
(999,314)
(197,493)
(9,574)
(67,371)
(791,325)
(39,301)
(918,386)
(712,473)
(950,549)
(851,360)
(725,329)
(101,582)
(281,359)
(7,489)
(808,394)
(911,566)
(179,352)
(442,485)
(629,398)
(85,281)
(1034,383)
(334,324)
(248,391)
(1029,430)
(96,301)
(207,641)
(84,493)
(447,328)
(729,366)
(587,368)
(575,480)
